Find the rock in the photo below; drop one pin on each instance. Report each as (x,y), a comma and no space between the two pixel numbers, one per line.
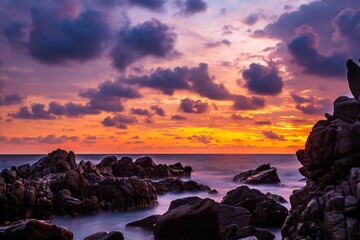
(195,220)
(276,198)
(265,211)
(233,232)
(182,201)
(145,162)
(353,77)
(346,109)
(178,185)
(213,191)
(114,235)
(107,162)
(262,174)
(34,229)
(145,223)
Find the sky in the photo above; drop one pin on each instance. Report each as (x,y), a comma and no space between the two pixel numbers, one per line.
(171,76)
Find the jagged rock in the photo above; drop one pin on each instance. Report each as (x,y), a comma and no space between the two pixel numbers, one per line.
(33,230)
(262,174)
(213,191)
(145,162)
(327,206)
(146,223)
(265,211)
(195,220)
(353,76)
(233,232)
(114,235)
(178,185)
(276,198)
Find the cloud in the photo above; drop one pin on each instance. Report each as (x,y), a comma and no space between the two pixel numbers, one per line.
(191,7)
(228,29)
(151,38)
(188,105)
(139,111)
(201,138)
(155,5)
(273,136)
(70,109)
(14,32)
(119,121)
(178,118)
(204,85)
(248,103)
(263,80)
(158,110)
(196,79)
(311,105)
(165,80)
(37,112)
(303,49)
(219,43)
(108,95)
(251,19)
(49,139)
(11,99)
(263,122)
(55,40)
(238,117)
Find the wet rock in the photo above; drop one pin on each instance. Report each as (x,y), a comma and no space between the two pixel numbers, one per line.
(233,232)
(145,162)
(261,175)
(178,185)
(213,191)
(195,220)
(34,229)
(265,211)
(145,223)
(114,235)
(276,198)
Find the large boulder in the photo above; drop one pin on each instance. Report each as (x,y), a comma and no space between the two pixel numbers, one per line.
(265,211)
(178,185)
(233,232)
(114,235)
(35,230)
(195,220)
(145,223)
(263,174)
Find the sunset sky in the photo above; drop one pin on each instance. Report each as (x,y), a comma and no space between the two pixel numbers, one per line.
(171,76)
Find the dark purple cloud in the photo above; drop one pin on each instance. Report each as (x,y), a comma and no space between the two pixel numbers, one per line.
(37,112)
(228,29)
(11,99)
(108,95)
(188,105)
(70,109)
(273,136)
(237,117)
(251,19)
(158,110)
(14,32)
(263,80)
(303,49)
(139,111)
(55,39)
(204,85)
(201,138)
(154,5)
(248,103)
(165,80)
(178,118)
(119,121)
(263,122)
(151,38)
(191,7)
(219,43)
(311,105)
(49,139)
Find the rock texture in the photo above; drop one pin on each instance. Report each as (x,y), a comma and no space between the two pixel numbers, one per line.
(265,212)
(263,174)
(56,184)
(35,230)
(114,235)
(328,206)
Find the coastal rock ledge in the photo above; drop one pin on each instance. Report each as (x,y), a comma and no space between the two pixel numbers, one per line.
(328,206)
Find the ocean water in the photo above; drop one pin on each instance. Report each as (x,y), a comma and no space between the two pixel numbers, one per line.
(214,170)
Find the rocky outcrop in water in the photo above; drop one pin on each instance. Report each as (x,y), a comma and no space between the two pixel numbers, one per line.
(114,235)
(34,230)
(263,174)
(328,206)
(57,185)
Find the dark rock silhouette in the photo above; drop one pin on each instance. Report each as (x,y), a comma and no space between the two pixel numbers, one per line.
(145,223)
(328,206)
(114,235)
(35,229)
(353,76)
(263,174)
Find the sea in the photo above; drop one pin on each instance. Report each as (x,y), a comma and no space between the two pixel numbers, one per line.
(214,170)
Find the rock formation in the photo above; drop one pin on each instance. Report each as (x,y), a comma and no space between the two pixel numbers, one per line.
(263,174)
(328,206)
